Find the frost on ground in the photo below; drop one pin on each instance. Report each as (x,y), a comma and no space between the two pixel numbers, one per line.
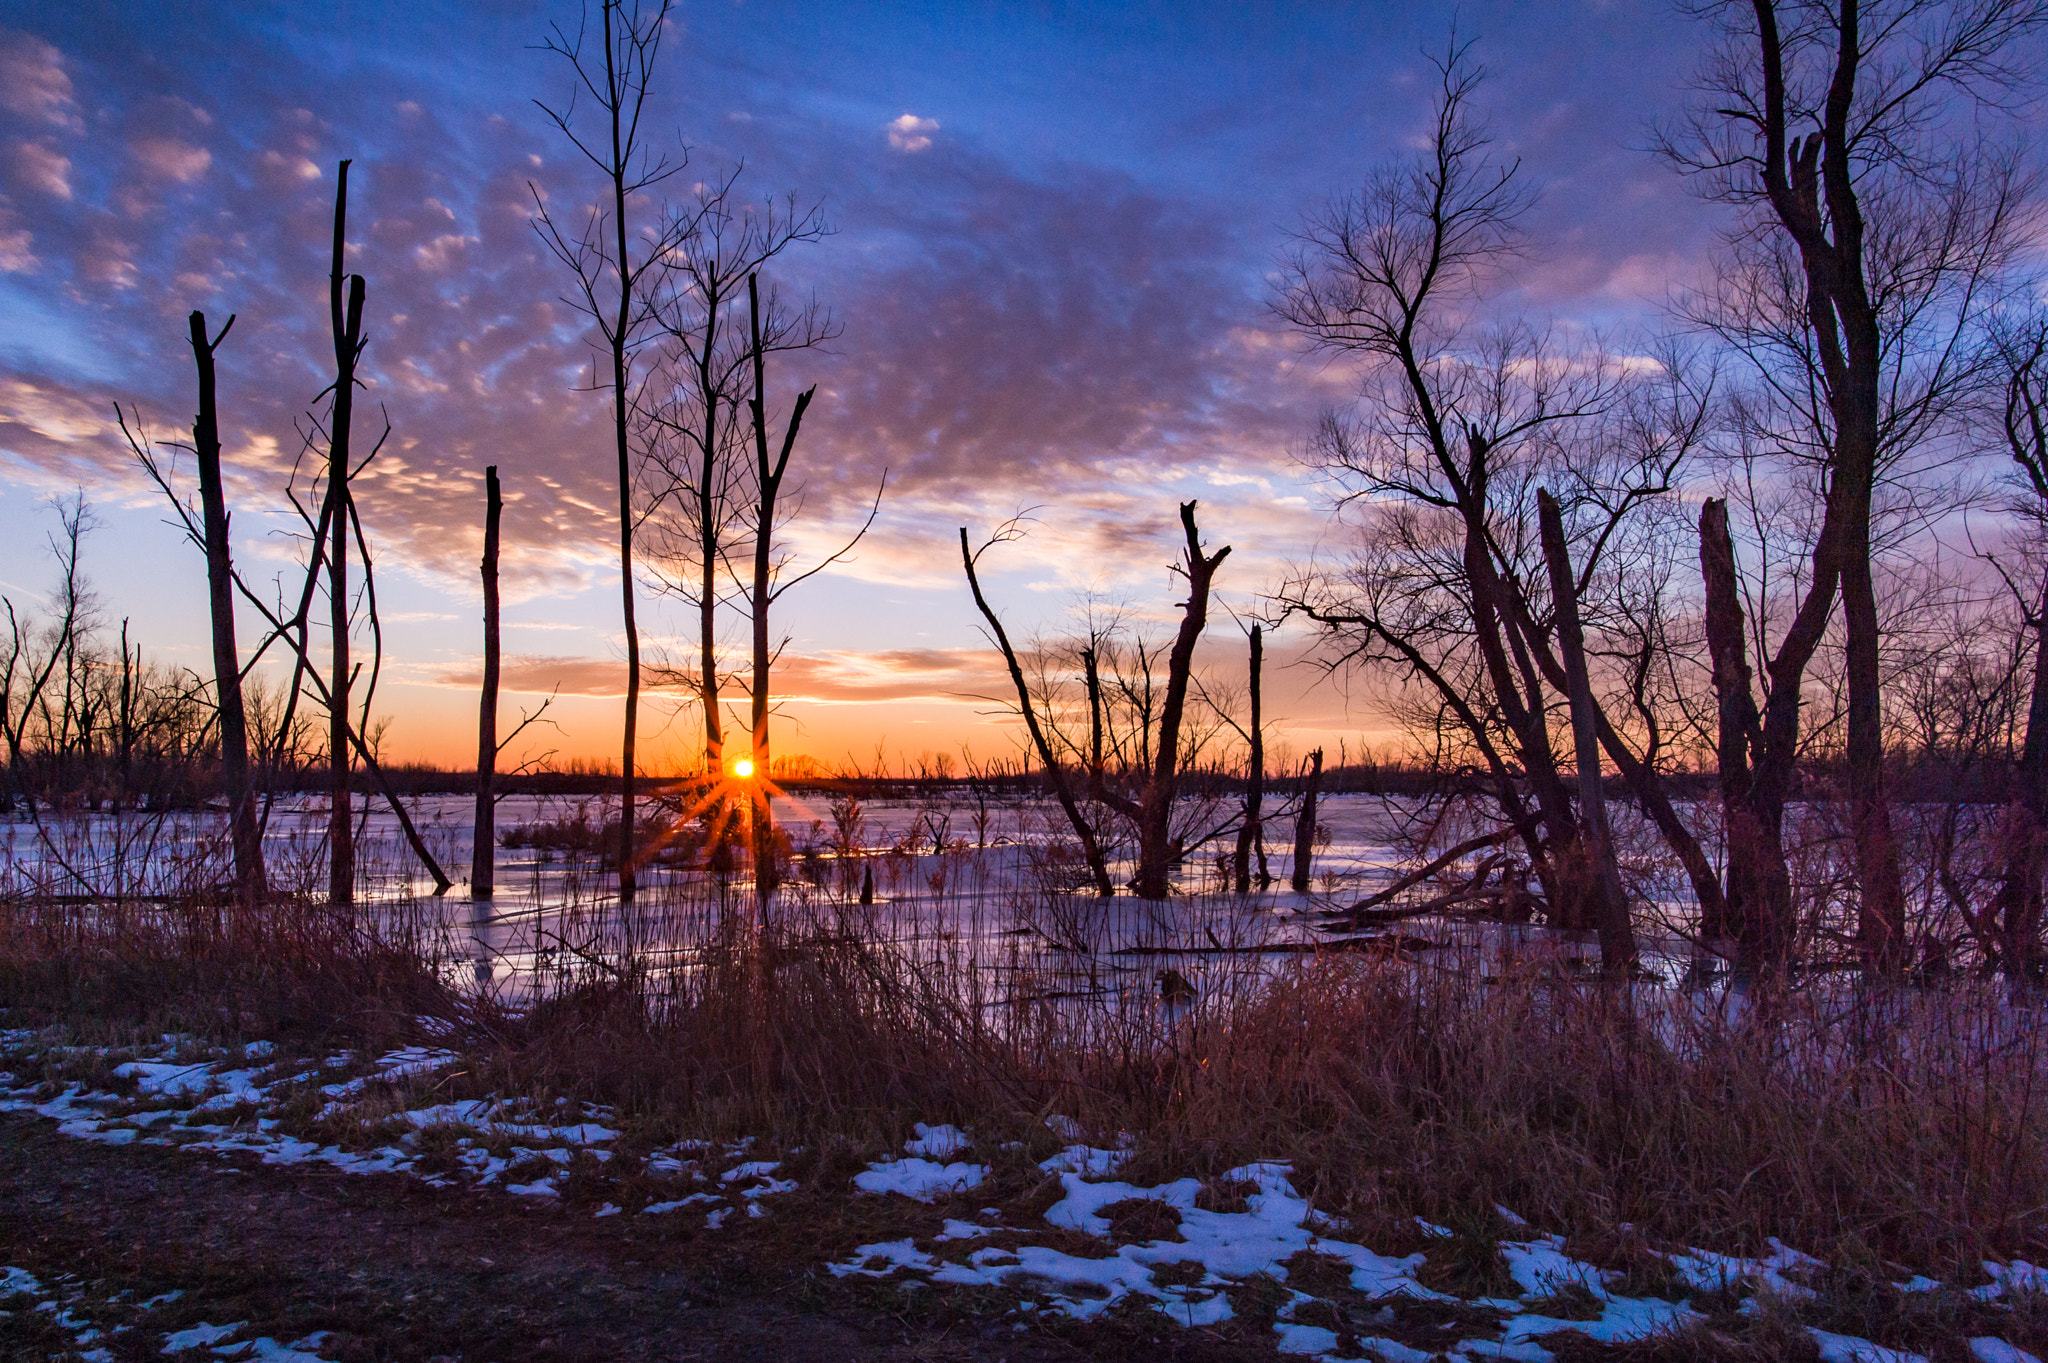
(1258,1254)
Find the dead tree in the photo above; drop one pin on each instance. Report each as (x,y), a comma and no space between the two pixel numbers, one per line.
(1251,835)
(1755,758)
(609,285)
(244,831)
(1084,832)
(692,409)
(1305,823)
(1440,459)
(2016,911)
(1155,805)
(1871,235)
(483,850)
(1617,939)
(345,309)
(771,577)
(209,533)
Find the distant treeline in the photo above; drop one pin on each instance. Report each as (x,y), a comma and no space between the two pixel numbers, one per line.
(1918,778)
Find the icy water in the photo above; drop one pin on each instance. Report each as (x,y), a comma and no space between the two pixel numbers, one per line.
(987,903)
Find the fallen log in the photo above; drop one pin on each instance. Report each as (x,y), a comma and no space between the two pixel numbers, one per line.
(1416,877)
(1382,942)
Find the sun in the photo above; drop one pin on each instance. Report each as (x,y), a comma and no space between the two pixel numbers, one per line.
(743,768)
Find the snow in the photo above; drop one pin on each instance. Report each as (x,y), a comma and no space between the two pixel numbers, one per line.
(540,1188)
(693,1200)
(1086,1160)
(2017,1276)
(922,1179)
(1705,1271)
(1217,1249)
(1987,1350)
(267,1350)
(199,1336)
(263,1349)
(1849,1349)
(19,1280)
(1226,1245)
(937,1142)
(1306,1339)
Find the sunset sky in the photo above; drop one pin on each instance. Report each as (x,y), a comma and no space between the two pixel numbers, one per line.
(1056,231)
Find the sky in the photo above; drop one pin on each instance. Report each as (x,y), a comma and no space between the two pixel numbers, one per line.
(1055,235)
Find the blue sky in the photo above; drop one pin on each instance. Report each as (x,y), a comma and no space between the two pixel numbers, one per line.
(1052,279)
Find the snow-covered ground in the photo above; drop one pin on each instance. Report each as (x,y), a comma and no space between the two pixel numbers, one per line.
(1191,1257)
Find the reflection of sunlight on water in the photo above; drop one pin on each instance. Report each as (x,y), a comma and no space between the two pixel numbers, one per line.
(981,905)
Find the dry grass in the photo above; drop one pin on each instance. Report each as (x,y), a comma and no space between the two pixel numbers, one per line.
(1881,1131)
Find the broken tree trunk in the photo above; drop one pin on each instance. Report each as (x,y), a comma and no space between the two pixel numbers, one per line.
(1155,836)
(1305,823)
(1091,847)
(1255,774)
(483,852)
(1617,938)
(245,833)
(346,316)
(1758,899)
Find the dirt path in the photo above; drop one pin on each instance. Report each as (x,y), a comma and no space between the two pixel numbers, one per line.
(396,1270)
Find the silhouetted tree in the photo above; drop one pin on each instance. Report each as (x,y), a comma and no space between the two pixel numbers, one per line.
(609,275)
(1873,233)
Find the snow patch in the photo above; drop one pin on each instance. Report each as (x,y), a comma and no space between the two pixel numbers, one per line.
(920,1179)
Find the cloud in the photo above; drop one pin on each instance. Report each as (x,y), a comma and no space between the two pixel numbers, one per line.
(39,166)
(17,244)
(830,678)
(911,133)
(166,158)
(33,82)
(540,674)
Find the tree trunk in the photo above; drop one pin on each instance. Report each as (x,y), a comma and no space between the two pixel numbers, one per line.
(484,847)
(1155,815)
(1091,847)
(246,835)
(1305,824)
(768,486)
(1758,911)
(2017,907)
(1518,694)
(1881,903)
(1617,939)
(620,337)
(347,323)
(1255,774)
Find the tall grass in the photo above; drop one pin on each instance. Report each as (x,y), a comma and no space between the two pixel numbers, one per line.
(1871,1125)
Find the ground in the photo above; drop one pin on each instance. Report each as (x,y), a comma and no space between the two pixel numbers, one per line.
(394,1269)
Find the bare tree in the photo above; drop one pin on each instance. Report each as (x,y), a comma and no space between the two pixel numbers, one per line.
(1617,938)
(483,858)
(1456,430)
(1872,237)
(1305,823)
(1250,833)
(693,409)
(2016,912)
(1155,805)
(345,307)
(210,535)
(1154,743)
(1084,832)
(771,576)
(609,277)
